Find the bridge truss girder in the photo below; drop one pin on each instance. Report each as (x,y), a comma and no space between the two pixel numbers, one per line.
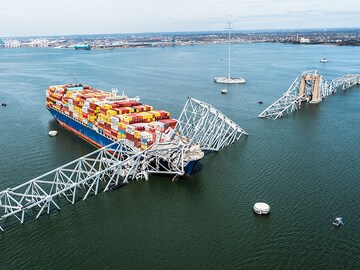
(289,101)
(85,176)
(345,82)
(313,88)
(120,162)
(207,126)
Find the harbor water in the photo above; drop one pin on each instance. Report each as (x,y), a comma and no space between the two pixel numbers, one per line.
(305,165)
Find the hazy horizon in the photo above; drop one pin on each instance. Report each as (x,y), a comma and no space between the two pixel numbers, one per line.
(91,17)
(192,32)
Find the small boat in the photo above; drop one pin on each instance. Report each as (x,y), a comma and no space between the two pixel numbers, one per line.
(338,221)
(224,91)
(260,102)
(3,104)
(229,79)
(118,186)
(53,133)
(324,60)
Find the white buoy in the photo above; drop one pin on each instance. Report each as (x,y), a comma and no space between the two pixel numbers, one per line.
(53,133)
(261,208)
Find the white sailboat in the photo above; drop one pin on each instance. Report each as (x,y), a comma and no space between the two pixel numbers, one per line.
(229,79)
(324,59)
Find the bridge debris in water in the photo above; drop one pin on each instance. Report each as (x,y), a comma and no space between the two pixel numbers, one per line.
(312,87)
(200,127)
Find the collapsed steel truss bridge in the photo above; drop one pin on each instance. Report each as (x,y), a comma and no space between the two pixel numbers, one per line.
(312,87)
(200,127)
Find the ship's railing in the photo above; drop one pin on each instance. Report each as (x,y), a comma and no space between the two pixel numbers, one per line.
(206,126)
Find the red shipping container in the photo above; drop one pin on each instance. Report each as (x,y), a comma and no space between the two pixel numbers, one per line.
(129,137)
(114,132)
(107,126)
(137,143)
(169,122)
(92,106)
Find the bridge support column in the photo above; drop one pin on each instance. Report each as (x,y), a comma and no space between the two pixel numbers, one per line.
(316,98)
(302,85)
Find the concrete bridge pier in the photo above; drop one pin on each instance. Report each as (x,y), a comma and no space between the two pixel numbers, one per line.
(316,97)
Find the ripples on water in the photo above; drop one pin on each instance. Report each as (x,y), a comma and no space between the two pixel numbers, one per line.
(304,165)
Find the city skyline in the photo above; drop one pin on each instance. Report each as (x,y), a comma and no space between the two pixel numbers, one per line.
(43,18)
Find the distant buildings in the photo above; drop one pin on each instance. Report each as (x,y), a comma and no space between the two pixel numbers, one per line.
(344,37)
(304,40)
(14,43)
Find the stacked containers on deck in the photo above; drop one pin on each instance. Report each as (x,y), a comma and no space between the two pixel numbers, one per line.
(131,120)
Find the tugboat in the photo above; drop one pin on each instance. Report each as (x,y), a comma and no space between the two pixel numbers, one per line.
(338,221)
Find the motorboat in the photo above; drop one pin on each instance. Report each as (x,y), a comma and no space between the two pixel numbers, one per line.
(338,221)
(224,91)
(324,60)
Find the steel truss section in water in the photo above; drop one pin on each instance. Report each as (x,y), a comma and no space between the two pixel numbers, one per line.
(207,126)
(345,82)
(202,127)
(313,88)
(99,170)
(289,102)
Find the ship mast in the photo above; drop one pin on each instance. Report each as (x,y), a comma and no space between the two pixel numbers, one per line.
(229,51)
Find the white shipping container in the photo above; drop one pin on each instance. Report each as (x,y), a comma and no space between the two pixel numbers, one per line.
(114,126)
(114,120)
(144,135)
(130,129)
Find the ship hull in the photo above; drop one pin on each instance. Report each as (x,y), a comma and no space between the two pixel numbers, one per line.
(227,80)
(95,138)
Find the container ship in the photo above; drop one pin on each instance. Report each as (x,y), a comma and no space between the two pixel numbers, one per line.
(102,117)
(82,47)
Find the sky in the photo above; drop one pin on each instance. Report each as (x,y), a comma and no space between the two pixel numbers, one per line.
(68,17)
